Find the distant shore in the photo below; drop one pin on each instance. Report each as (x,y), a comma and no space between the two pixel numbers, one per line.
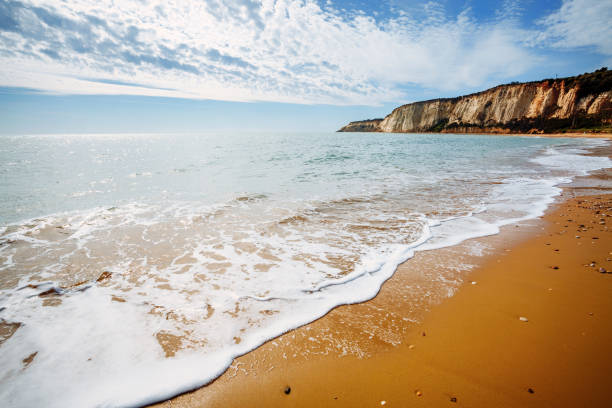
(585,135)
(531,326)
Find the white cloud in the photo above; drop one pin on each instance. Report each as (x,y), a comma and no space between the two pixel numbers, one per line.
(246,50)
(580,23)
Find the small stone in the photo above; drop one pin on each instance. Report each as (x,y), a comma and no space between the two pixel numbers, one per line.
(410,347)
(523,319)
(418,393)
(577,236)
(453,399)
(383,402)
(423,334)
(474,282)
(530,390)
(106,275)
(555,267)
(287,390)
(602,270)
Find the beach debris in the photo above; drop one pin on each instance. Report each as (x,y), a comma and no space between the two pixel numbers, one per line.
(418,393)
(555,267)
(383,402)
(577,236)
(523,319)
(453,399)
(474,282)
(28,360)
(51,292)
(410,347)
(104,276)
(602,270)
(287,390)
(530,390)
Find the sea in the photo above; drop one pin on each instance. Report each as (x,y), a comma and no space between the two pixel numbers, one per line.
(134,267)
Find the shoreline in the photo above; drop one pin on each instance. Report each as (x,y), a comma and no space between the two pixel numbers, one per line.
(551,135)
(364,368)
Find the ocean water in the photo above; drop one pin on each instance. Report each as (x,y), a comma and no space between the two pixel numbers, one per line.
(135,267)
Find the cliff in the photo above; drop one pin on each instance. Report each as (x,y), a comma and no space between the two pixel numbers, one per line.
(368,125)
(582,102)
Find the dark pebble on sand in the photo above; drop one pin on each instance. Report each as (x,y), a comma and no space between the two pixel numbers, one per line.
(555,267)
(287,390)
(602,270)
(453,399)
(423,334)
(531,391)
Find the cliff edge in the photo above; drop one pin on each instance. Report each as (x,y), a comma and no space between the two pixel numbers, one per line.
(579,103)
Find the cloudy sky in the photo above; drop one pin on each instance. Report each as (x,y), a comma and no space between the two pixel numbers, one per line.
(189,65)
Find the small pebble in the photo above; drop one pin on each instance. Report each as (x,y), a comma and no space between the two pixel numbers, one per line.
(418,393)
(602,270)
(530,390)
(423,334)
(410,347)
(453,399)
(555,267)
(473,282)
(287,390)
(383,402)
(523,319)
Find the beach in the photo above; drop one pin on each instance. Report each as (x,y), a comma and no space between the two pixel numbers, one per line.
(529,326)
(155,276)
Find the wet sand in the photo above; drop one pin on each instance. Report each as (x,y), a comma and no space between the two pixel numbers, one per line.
(473,349)
(530,326)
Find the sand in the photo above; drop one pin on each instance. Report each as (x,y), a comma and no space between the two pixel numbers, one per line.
(531,326)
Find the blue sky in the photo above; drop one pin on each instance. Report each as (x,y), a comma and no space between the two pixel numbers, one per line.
(273,65)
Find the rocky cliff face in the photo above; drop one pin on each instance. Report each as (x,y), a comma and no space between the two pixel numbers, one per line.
(370,125)
(582,102)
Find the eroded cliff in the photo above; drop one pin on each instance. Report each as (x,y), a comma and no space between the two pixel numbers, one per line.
(580,102)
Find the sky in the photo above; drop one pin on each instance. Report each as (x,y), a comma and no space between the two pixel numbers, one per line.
(109,66)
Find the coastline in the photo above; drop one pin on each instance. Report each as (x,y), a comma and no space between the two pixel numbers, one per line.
(471,347)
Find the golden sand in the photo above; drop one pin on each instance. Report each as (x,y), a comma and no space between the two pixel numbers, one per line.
(531,326)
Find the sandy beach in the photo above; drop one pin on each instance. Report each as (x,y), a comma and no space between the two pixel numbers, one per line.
(529,326)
